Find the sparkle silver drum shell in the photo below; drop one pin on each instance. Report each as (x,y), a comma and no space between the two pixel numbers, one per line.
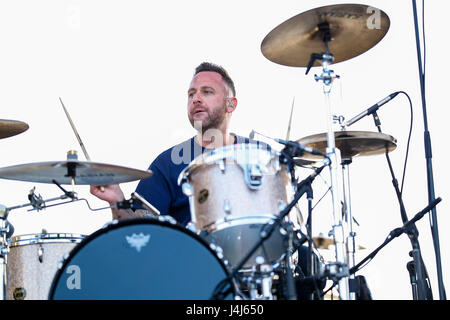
(233,191)
(32,263)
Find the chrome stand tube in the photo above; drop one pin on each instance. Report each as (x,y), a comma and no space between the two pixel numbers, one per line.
(349,220)
(3,251)
(334,155)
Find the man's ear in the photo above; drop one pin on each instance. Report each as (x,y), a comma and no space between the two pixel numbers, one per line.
(231,104)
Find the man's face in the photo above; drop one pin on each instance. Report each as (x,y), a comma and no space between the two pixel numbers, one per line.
(207,100)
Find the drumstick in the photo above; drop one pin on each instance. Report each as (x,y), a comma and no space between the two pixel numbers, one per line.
(77,136)
(75,131)
(290,121)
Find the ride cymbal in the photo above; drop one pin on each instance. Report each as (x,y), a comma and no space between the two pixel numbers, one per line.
(9,128)
(351,29)
(83,172)
(351,143)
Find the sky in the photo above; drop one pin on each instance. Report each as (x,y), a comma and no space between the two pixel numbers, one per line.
(122,69)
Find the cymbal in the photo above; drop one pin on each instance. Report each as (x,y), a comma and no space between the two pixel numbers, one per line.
(351,143)
(309,164)
(354,29)
(9,128)
(84,173)
(322,242)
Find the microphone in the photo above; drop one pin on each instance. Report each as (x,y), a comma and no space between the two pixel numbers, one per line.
(309,179)
(292,144)
(301,148)
(372,109)
(139,200)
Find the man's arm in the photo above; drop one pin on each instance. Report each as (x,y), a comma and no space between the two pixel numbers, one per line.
(113,194)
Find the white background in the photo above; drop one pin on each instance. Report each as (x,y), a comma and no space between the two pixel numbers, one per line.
(123,68)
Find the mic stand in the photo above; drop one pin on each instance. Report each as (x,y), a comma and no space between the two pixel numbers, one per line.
(412,232)
(428,156)
(266,232)
(309,259)
(396,233)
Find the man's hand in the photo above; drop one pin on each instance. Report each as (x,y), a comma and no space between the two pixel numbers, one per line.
(113,194)
(110,193)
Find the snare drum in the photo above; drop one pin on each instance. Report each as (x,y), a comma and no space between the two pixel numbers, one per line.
(32,263)
(151,259)
(233,191)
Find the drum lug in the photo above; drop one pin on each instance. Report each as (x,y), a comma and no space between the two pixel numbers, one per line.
(281,205)
(187,189)
(41,254)
(227,208)
(222,165)
(218,250)
(253,177)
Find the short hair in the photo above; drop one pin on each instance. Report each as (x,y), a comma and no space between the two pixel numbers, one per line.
(208,66)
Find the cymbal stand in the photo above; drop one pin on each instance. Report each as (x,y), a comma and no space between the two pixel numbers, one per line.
(349,222)
(3,250)
(334,154)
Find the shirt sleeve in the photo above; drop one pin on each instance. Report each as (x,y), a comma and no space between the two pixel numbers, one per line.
(156,190)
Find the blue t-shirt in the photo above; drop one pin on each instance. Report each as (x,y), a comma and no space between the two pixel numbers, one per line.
(162,189)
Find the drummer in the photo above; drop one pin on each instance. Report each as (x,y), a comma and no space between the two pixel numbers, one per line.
(210,105)
(211,101)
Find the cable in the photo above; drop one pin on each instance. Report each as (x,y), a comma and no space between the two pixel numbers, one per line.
(424,43)
(409,140)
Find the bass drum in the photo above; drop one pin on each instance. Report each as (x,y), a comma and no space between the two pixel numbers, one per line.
(140,259)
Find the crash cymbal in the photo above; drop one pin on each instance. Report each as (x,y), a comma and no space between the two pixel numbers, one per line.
(351,143)
(84,173)
(353,28)
(9,128)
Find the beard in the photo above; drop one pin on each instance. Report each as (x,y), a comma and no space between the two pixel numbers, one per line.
(212,121)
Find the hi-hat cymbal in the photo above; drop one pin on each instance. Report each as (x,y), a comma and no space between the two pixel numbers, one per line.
(9,128)
(351,143)
(84,173)
(309,164)
(354,29)
(322,242)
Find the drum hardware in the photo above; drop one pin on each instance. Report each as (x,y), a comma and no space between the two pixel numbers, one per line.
(259,283)
(352,144)
(334,155)
(3,250)
(268,229)
(299,42)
